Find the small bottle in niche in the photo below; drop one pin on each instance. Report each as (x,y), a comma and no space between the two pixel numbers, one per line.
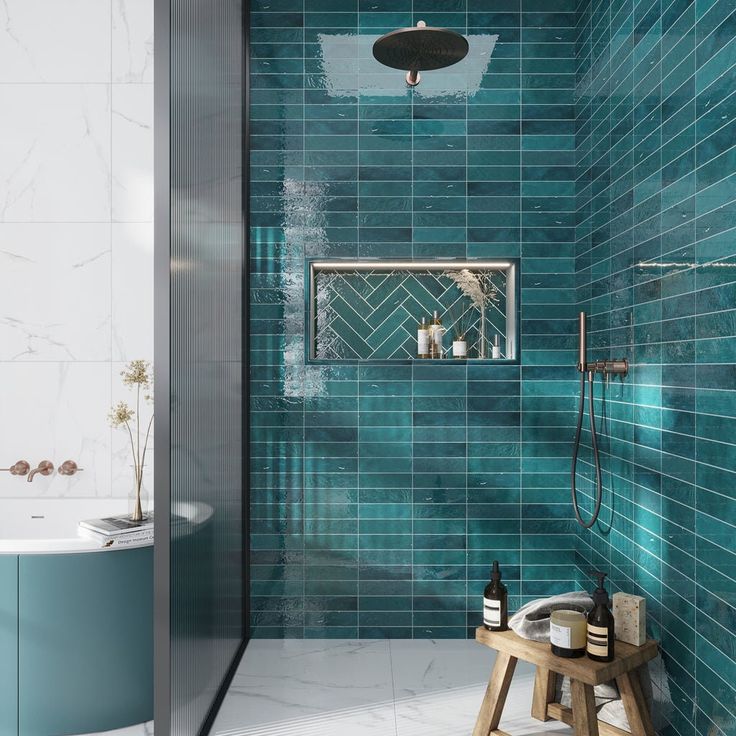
(423,339)
(495,602)
(436,333)
(600,625)
(496,349)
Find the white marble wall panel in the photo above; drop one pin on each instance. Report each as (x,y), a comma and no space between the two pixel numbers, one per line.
(76,235)
(56,292)
(132,290)
(55,153)
(132,41)
(55,411)
(57,42)
(132,152)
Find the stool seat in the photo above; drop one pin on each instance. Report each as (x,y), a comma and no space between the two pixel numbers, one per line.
(584,674)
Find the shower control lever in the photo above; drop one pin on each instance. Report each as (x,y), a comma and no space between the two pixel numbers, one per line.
(19,468)
(609,367)
(606,367)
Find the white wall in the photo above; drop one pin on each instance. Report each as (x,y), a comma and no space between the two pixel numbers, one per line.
(76,234)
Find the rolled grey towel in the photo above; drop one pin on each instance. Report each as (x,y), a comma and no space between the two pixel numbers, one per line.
(531,621)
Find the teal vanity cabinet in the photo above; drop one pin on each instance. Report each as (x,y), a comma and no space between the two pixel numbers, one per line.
(85,641)
(8,645)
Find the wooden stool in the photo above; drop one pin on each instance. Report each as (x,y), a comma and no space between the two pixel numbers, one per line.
(584,674)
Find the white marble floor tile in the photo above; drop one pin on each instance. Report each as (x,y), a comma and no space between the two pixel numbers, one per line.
(292,686)
(452,712)
(369,688)
(428,665)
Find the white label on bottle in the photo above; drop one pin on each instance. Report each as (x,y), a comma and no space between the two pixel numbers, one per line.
(491,612)
(459,348)
(560,636)
(597,640)
(422,342)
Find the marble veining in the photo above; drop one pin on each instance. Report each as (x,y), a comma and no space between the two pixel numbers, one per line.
(368,688)
(132,41)
(76,234)
(55,153)
(37,38)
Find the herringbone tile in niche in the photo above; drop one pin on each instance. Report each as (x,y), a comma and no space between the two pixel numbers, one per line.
(373,315)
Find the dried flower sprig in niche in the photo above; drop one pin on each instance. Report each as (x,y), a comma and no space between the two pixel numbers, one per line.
(136,375)
(480,290)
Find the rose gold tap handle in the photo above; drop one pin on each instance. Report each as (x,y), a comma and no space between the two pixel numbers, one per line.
(20,468)
(69,467)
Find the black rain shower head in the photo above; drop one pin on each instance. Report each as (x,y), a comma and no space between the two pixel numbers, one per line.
(420,49)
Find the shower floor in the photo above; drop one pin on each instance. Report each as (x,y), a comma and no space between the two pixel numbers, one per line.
(369,688)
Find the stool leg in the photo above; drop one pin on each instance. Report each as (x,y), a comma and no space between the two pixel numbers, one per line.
(545,683)
(634,704)
(583,709)
(495,697)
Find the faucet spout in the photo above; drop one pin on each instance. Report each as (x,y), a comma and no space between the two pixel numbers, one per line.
(45,467)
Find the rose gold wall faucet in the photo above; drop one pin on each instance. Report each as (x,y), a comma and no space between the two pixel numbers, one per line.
(45,467)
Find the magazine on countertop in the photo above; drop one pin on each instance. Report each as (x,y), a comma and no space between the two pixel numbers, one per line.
(142,535)
(122,526)
(117,525)
(124,540)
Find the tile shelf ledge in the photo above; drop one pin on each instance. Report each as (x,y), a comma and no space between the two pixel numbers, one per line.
(418,361)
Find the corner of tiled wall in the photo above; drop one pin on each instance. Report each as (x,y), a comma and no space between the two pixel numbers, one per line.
(655,257)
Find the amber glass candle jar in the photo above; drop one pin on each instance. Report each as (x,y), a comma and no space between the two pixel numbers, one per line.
(568,633)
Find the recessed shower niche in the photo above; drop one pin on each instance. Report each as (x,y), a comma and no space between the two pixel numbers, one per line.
(371,310)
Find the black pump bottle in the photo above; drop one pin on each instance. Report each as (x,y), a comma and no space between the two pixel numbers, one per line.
(495,602)
(600,625)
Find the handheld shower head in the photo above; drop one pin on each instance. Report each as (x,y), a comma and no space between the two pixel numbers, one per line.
(583,342)
(607,368)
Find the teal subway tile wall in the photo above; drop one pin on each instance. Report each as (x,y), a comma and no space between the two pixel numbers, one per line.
(381,493)
(656,270)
